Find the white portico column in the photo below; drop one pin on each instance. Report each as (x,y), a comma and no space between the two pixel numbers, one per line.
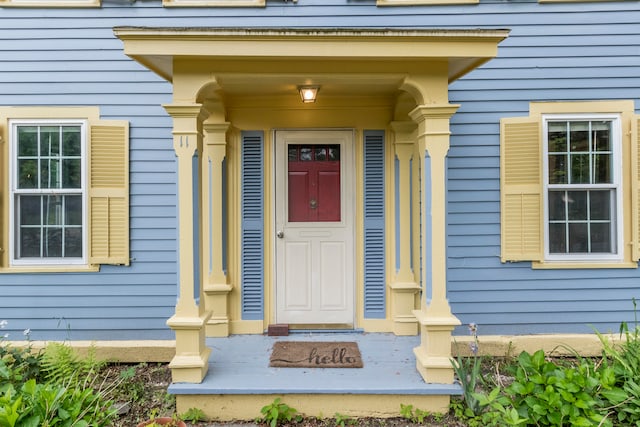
(434,316)
(190,363)
(216,287)
(404,286)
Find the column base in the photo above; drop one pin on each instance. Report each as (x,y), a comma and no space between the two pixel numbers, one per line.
(403,297)
(191,362)
(190,369)
(216,301)
(217,328)
(433,356)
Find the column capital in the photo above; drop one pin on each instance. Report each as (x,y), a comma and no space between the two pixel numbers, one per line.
(187,119)
(187,110)
(433,111)
(216,133)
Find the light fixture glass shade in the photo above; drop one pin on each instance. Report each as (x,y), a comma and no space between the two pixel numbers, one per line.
(308,93)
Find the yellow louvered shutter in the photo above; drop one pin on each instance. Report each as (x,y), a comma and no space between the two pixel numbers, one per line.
(109,193)
(635,187)
(521,189)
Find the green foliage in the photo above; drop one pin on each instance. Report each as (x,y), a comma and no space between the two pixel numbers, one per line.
(554,395)
(194,415)
(343,420)
(623,360)
(277,412)
(60,362)
(468,372)
(412,414)
(17,365)
(50,404)
(35,395)
(499,411)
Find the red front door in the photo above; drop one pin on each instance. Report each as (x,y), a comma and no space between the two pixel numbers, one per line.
(314,183)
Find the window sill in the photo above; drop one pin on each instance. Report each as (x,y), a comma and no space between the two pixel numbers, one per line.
(557,265)
(50,4)
(51,269)
(213,3)
(423,2)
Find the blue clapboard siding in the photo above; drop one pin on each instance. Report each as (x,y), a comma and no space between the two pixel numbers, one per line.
(564,51)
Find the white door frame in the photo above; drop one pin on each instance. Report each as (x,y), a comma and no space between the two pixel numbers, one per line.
(345,227)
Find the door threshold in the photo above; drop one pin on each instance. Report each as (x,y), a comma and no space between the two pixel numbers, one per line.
(324,328)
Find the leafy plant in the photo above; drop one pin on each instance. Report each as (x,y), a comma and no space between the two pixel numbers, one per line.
(553,395)
(499,411)
(52,405)
(277,412)
(412,414)
(60,362)
(194,415)
(36,393)
(623,396)
(467,370)
(17,364)
(343,420)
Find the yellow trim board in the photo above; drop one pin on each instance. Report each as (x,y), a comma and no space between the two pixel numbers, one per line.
(304,50)
(114,351)
(587,345)
(247,407)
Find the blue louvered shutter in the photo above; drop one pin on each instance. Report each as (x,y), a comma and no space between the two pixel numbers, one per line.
(252,254)
(374,239)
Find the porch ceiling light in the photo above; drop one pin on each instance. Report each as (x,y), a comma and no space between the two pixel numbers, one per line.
(308,93)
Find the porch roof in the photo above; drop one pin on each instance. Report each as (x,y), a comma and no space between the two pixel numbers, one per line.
(304,50)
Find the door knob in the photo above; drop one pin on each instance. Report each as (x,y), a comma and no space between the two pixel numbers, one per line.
(280,234)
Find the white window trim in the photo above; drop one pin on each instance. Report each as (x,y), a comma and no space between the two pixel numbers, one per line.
(16,262)
(616,143)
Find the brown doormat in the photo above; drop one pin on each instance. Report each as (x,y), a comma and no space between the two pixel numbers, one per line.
(305,354)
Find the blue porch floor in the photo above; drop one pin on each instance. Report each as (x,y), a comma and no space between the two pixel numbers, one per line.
(239,364)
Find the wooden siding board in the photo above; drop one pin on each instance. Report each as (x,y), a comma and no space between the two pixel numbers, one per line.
(571,51)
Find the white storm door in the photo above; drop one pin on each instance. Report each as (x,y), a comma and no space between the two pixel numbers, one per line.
(314,227)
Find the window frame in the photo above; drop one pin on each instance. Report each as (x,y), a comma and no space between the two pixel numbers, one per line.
(51,3)
(14,261)
(617,253)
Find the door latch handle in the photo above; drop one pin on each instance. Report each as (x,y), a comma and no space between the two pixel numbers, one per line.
(313,204)
(280,234)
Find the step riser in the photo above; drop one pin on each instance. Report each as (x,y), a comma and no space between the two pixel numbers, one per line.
(247,406)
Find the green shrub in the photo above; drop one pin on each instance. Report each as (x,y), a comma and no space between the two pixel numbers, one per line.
(623,397)
(54,389)
(549,394)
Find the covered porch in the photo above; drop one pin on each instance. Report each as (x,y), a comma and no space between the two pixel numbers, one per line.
(237,88)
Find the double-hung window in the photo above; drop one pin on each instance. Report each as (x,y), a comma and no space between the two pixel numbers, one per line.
(48,188)
(570,185)
(64,189)
(583,187)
